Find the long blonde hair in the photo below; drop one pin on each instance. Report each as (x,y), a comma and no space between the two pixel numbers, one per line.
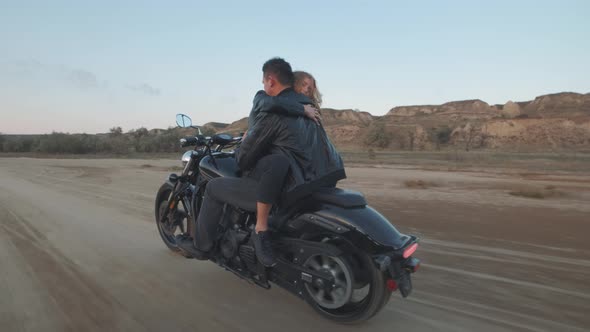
(316,96)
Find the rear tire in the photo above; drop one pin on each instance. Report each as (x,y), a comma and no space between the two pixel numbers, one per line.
(356,312)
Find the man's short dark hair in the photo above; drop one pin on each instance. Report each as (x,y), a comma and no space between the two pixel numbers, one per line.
(281,69)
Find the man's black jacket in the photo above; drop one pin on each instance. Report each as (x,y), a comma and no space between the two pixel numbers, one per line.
(287,103)
(314,161)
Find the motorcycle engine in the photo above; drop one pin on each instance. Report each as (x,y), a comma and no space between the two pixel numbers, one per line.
(229,244)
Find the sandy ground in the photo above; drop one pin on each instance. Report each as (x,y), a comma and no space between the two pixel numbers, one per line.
(79,251)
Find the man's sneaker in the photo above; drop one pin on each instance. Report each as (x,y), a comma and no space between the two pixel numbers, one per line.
(264,248)
(186,244)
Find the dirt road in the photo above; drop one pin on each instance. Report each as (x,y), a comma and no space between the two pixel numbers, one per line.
(79,251)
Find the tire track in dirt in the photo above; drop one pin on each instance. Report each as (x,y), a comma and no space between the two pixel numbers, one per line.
(99,175)
(582,263)
(83,304)
(110,197)
(539,323)
(512,320)
(514,280)
(520,283)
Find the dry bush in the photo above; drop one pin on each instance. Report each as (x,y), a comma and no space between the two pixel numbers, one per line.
(419,184)
(548,191)
(378,136)
(529,193)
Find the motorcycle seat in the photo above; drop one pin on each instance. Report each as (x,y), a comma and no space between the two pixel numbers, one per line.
(340,197)
(335,196)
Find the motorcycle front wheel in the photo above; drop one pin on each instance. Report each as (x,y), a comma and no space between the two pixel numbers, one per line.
(168,234)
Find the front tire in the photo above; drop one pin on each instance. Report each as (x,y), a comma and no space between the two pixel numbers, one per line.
(161,201)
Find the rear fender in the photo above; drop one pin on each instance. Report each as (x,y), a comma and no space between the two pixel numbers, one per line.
(358,224)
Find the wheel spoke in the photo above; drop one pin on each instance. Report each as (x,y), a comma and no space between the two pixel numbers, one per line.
(337,268)
(340,283)
(321,294)
(322,261)
(334,266)
(314,265)
(329,296)
(338,292)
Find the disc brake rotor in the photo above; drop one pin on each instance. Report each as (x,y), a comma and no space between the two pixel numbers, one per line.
(170,226)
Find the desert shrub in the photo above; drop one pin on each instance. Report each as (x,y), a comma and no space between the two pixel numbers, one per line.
(117,142)
(419,184)
(548,191)
(528,193)
(377,135)
(443,134)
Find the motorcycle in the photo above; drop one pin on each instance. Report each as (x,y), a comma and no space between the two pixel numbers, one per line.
(333,250)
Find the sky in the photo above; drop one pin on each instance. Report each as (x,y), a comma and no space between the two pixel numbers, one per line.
(87,66)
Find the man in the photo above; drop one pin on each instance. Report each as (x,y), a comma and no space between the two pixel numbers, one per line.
(274,145)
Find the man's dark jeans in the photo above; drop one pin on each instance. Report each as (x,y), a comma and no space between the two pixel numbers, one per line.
(264,184)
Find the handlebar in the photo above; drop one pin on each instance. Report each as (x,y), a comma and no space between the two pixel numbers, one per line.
(222,140)
(189,141)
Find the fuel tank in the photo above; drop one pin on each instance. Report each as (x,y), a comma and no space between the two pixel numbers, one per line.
(222,164)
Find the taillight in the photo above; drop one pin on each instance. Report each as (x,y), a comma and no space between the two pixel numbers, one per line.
(409,251)
(391,285)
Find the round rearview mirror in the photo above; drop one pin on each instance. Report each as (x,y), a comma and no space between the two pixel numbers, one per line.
(183,121)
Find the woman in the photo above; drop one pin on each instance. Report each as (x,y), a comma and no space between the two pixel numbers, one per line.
(303,83)
(306,84)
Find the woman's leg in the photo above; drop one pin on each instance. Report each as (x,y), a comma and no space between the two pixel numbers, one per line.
(270,172)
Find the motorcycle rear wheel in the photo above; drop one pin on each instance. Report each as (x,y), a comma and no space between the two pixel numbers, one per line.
(360,309)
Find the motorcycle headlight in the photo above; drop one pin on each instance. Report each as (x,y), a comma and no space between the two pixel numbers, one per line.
(187,156)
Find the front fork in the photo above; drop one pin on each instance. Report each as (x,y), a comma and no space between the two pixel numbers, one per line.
(180,194)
